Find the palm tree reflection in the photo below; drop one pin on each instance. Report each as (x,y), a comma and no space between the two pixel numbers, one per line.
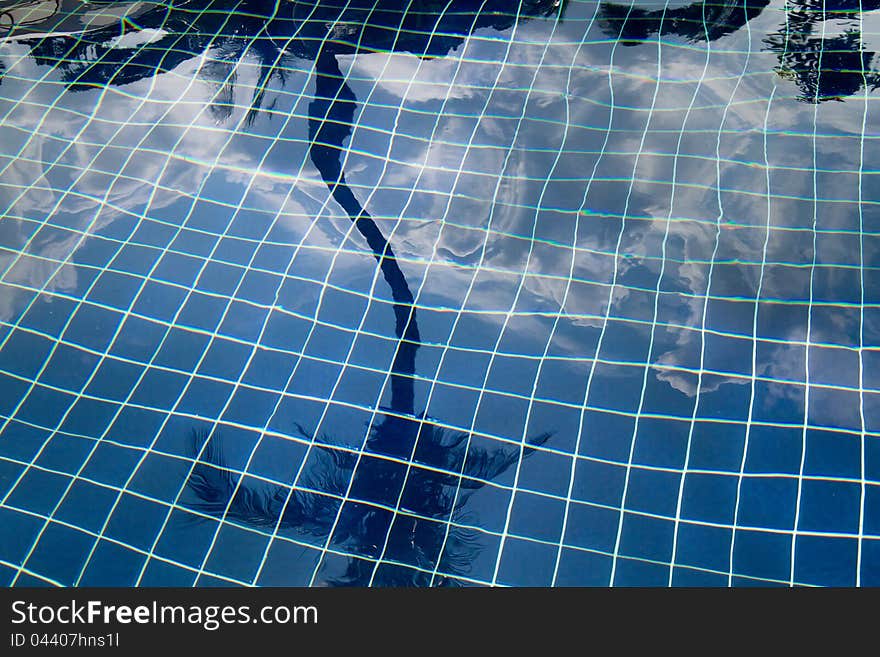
(429,470)
(401,498)
(824,67)
(406,458)
(700,21)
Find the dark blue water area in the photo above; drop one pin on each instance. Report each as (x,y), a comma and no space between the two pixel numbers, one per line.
(460,293)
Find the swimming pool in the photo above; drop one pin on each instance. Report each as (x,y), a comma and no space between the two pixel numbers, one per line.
(439,292)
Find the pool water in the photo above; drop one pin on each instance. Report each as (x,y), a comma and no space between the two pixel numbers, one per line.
(439,293)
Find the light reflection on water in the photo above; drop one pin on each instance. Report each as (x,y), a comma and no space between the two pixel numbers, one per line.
(563,205)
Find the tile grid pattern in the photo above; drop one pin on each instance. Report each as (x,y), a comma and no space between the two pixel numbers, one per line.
(23,416)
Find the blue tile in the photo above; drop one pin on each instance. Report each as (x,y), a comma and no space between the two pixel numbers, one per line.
(646,538)
(774,450)
(278,458)
(114,380)
(136,521)
(288,564)
(65,453)
(93,326)
(761,554)
(237,553)
(9,473)
(138,340)
(703,546)
(89,417)
(545,471)
(38,491)
(661,443)
(177,268)
(86,505)
(159,389)
(664,398)
(48,314)
(115,289)
(181,350)
(600,483)
(829,506)
(111,464)
(60,553)
(717,446)
(160,477)
(831,454)
(25,353)
(202,311)
(825,561)
(583,568)
(538,517)
(526,563)
(767,502)
(18,535)
(617,387)
(135,426)
(161,574)
(243,321)
(631,572)
(724,398)
(591,527)
(205,397)
(709,498)
(112,565)
(870,572)
(250,407)
(607,436)
(692,578)
(45,407)
(159,301)
(652,491)
(186,538)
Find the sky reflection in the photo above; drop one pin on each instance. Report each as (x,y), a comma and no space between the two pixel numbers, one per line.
(639,241)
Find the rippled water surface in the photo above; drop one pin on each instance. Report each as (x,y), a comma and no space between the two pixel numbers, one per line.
(439,292)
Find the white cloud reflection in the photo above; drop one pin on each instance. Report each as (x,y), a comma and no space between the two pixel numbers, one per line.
(437,190)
